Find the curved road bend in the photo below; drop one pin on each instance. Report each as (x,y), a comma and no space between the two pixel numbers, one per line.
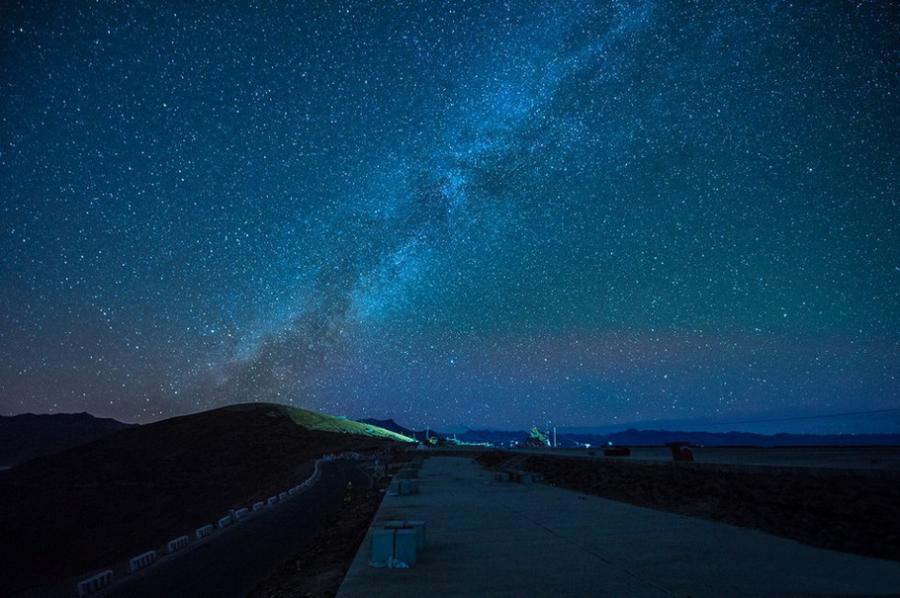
(234,562)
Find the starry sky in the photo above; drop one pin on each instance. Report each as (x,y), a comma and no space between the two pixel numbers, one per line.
(489,213)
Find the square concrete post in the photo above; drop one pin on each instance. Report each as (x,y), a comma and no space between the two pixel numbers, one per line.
(382,547)
(419,527)
(405,550)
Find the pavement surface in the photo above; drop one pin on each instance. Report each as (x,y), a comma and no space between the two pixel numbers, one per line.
(489,538)
(232,563)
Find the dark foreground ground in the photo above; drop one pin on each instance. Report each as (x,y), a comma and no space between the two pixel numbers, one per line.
(873,458)
(92,506)
(232,564)
(318,569)
(839,511)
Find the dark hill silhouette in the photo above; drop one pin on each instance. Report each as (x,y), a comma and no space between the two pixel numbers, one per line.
(87,507)
(24,437)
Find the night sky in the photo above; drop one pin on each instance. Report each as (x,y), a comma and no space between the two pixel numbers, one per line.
(487,213)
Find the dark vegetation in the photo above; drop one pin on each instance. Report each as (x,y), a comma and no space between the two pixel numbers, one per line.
(661,437)
(838,511)
(90,506)
(24,437)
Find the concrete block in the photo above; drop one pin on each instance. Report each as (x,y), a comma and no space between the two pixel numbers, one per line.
(403,487)
(419,527)
(415,525)
(94,583)
(241,514)
(204,531)
(405,546)
(177,544)
(282,496)
(225,521)
(258,506)
(292,491)
(141,561)
(273,500)
(382,548)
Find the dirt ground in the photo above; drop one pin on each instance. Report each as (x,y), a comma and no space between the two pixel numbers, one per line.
(844,512)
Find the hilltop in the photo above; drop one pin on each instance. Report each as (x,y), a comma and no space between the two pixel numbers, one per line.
(88,506)
(313,420)
(390,424)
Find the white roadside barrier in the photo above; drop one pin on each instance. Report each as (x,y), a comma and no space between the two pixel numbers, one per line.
(142,560)
(95,583)
(177,544)
(102,580)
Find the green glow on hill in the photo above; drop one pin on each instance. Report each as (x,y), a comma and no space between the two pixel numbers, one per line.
(312,420)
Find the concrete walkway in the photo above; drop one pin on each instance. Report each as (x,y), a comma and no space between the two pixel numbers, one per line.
(487,538)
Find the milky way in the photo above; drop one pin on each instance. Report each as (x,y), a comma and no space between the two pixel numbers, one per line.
(485,213)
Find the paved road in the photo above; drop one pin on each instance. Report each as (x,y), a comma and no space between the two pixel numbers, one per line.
(234,562)
(489,538)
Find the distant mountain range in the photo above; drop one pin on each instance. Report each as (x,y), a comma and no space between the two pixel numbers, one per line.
(25,437)
(634,437)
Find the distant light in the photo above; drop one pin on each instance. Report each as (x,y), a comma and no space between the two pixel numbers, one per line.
(609,443)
